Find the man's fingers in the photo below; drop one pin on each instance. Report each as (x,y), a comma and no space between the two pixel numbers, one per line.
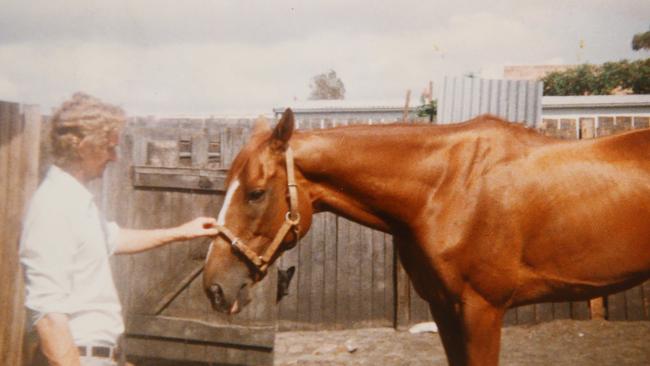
(207,222)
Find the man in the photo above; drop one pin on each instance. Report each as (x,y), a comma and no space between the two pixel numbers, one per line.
(66,243)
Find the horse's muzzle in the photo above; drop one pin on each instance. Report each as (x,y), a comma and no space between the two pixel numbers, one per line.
(220,303)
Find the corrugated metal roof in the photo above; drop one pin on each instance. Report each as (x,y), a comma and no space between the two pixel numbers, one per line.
(550,102)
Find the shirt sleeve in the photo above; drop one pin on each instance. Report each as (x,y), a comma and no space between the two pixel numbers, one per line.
(112,233)
(47,248)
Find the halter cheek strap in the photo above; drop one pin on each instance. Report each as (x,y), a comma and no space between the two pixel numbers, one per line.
(291,222)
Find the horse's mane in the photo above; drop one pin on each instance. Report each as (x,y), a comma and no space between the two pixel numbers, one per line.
(485,122)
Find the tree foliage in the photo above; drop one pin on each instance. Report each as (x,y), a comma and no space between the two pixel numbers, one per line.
(604,79)
(326,86)
(428,109)
(641,41)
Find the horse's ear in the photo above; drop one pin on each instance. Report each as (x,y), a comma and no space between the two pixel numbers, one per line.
(261,126)
(283,130)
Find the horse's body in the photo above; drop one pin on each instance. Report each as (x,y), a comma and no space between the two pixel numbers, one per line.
(486,215)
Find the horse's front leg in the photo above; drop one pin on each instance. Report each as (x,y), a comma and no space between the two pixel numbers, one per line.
(470,330)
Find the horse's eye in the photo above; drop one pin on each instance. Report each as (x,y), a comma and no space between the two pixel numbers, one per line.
(256,195)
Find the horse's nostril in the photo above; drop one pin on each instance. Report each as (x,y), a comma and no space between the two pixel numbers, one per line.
(215,289)
(217,294)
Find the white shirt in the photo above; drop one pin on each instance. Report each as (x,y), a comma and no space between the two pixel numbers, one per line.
(64,250)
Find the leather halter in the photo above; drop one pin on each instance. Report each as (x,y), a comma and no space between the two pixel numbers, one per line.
(291,222)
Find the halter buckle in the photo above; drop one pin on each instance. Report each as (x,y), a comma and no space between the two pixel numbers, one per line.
(293,221)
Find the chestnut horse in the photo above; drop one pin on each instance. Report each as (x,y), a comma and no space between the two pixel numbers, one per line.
(486,215)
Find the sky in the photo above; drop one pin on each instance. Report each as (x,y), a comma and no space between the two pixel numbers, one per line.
(244,57)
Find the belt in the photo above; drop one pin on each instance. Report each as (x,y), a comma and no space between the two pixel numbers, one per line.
(98,351)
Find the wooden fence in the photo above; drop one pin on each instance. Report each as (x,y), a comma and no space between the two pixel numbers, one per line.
(169,173)
(19,136)
(345,273)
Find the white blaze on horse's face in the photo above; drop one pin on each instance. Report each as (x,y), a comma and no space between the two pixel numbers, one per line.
(221,219)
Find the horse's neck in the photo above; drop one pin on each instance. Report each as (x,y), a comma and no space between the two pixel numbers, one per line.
(376,176)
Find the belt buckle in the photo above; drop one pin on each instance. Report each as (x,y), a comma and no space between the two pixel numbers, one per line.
(96,351)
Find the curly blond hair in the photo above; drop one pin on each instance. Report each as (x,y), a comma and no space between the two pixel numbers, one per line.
(82,117)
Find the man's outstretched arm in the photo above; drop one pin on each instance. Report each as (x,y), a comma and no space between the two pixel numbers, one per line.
(134,241)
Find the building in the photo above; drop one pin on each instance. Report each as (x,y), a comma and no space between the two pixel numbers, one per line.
(380,111)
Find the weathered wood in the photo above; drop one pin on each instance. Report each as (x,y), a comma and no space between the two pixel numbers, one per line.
(329,268)
(12,314)
(159,297)
(510,317)
(379,282)
(390,285)
(163,352)
(562,310)
(165,280)
(343,273)
(526,314)
(634,304)
(198,331)
(616,306)
(179,178)
(543,312)
(646,299)
(303,278)
(353,278)
(580,310)
(597,308)
(19,136)
(317,274)
(366,278)
(5,309)
(403,293)
(420,311)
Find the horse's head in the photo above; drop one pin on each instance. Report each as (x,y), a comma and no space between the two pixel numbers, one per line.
(263,214)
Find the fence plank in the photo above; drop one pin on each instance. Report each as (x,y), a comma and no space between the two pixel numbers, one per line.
(5,169)
(304,278)
(378,278)
(317,266)
(354,272)
(365,276)
(543,312)
(330,268)
(561,310)
(390,255)
(510,317)
(580,310)
(343,273)
(646,299)
(526,314)
(10,275)
(634,304)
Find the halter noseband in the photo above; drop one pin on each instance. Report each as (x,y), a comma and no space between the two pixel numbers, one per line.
(291,222)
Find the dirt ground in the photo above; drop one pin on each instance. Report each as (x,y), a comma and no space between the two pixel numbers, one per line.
(560,342)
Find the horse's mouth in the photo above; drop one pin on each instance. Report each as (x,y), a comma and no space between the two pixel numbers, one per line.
(220,304)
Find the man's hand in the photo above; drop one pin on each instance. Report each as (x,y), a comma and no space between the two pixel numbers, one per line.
(199,227)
